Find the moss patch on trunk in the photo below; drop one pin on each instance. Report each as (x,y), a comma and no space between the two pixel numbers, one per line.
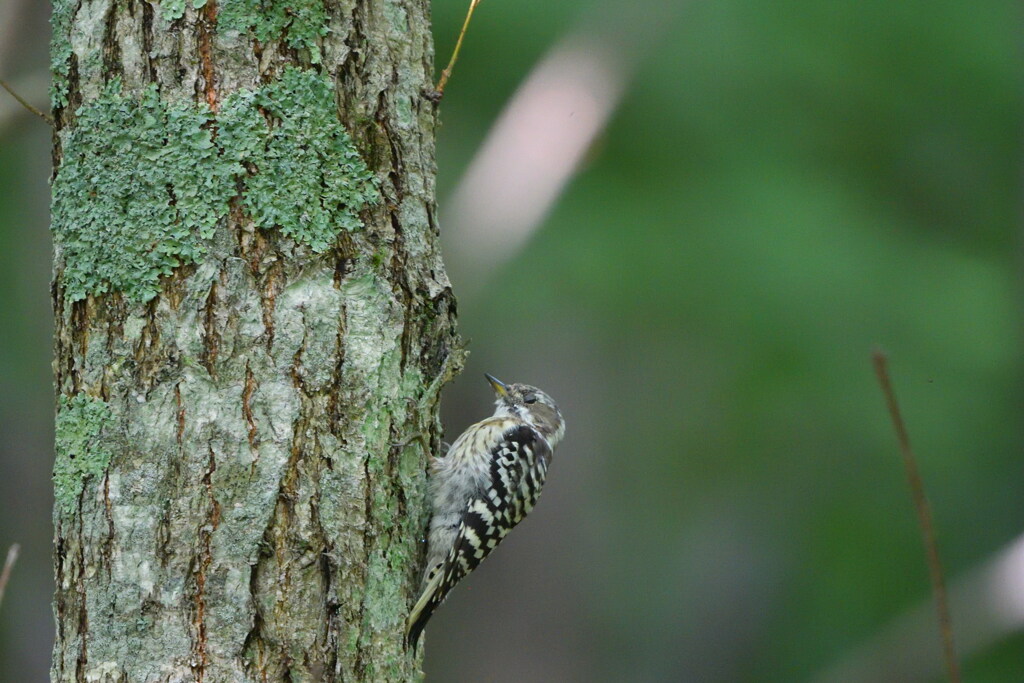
(79,446)
(144,183)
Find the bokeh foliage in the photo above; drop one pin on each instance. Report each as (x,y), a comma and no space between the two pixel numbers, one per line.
(785,186)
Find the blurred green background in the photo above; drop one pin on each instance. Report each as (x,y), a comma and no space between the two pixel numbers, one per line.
(783,186)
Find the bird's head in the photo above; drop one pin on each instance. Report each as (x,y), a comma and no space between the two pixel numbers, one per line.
(531,405)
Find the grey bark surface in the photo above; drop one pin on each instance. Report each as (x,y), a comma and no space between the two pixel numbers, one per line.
(259,509)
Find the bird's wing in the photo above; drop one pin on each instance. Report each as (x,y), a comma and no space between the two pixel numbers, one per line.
(518,466)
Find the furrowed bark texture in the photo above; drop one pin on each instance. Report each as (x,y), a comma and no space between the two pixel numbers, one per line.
(253,326)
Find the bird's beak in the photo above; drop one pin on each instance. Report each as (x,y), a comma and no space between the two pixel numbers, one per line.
(499,387)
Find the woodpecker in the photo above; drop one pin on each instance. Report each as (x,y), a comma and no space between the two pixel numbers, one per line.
(487,483)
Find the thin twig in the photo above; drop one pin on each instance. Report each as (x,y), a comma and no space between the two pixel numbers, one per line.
(924,516)
(23,102)
(446,74)
(12,557)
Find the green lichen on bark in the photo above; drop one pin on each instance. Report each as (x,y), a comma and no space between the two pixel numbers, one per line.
(80,447)
(299,23)
(309,179)
(141,186)
(144,183)
(61,14)
(172,10)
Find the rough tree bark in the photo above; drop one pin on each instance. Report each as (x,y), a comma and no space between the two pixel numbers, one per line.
(253,325)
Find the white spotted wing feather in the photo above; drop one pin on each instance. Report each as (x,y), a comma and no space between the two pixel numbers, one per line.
(481,493)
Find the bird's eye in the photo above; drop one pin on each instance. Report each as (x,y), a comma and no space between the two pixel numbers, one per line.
(531,398)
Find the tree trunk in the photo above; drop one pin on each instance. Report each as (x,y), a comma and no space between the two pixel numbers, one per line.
(253,326)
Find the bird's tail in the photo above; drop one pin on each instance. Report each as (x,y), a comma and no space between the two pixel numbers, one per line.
(430,598)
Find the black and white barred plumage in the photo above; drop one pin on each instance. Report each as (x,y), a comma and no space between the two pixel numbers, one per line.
(486,484)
